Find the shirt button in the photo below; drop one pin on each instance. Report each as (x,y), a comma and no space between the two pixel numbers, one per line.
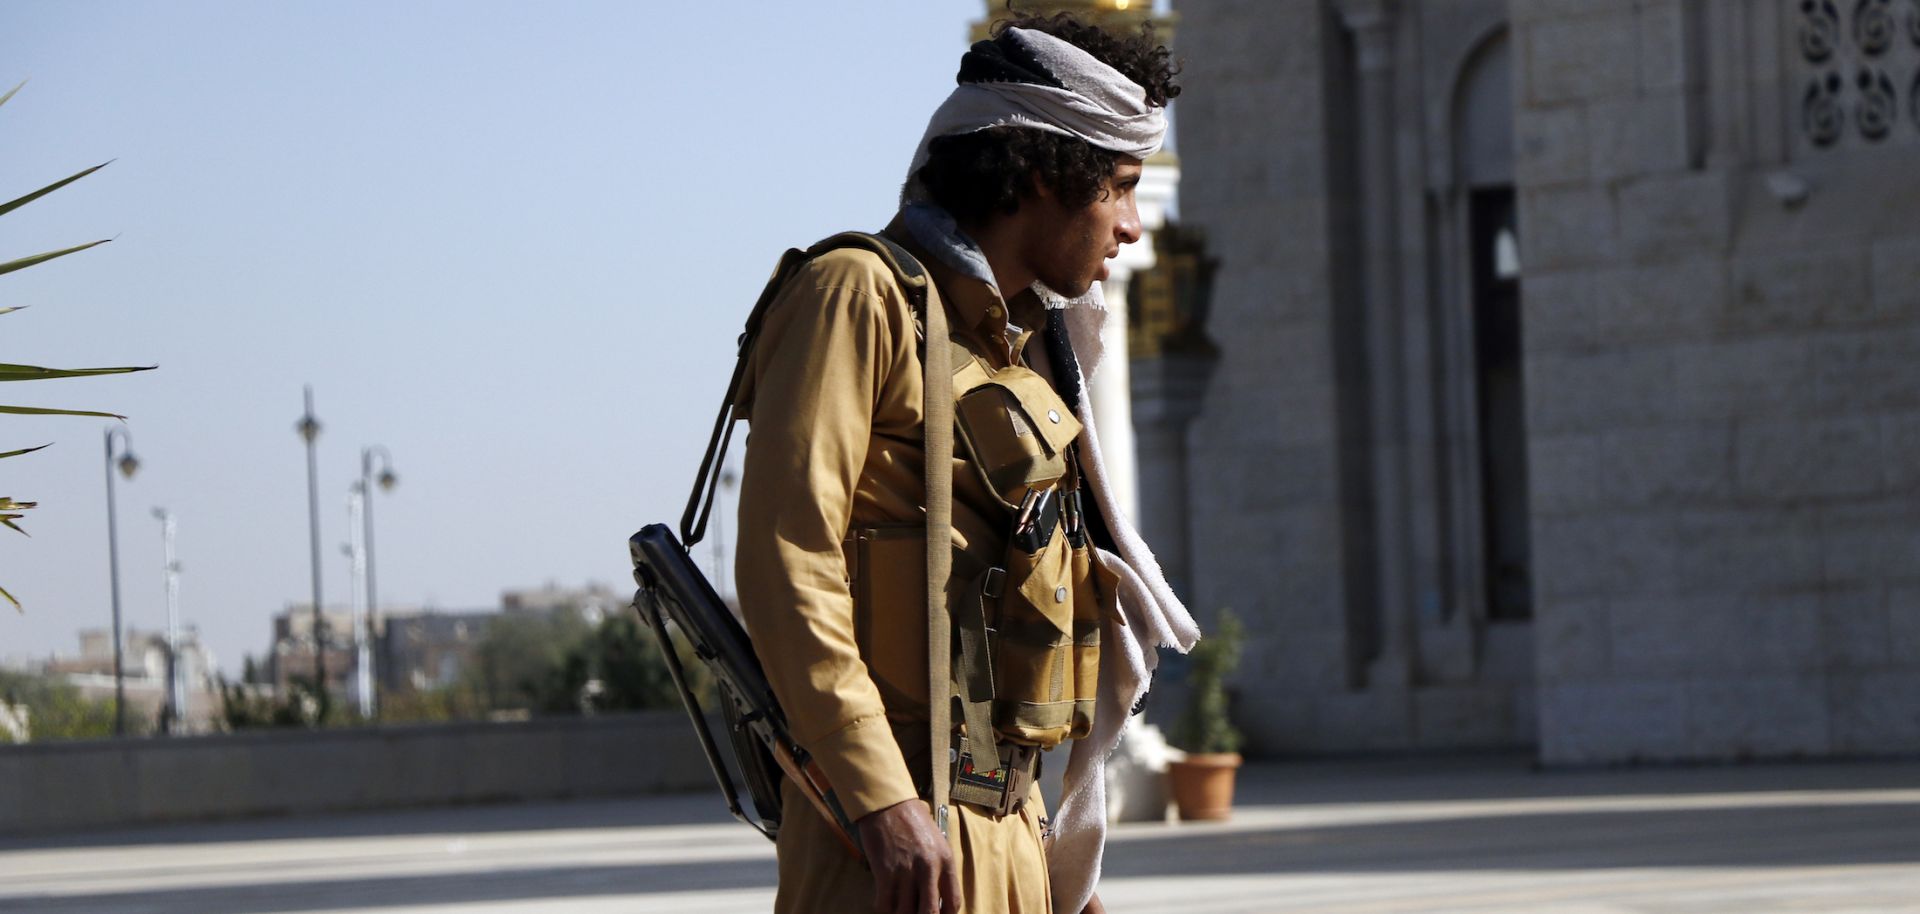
(1053,416)
(1059,595)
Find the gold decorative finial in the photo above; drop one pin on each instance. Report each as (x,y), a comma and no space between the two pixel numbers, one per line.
(1118,15)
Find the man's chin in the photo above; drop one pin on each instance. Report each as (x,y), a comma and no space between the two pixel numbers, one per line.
(1073,290)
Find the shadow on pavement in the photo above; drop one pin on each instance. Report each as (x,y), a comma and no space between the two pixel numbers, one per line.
(402,891)
(1513,776)
(630,812)
(1778,836)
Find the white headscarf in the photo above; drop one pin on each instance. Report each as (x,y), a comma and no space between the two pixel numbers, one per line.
(1031,79)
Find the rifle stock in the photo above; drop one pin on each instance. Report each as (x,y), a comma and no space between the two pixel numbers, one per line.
(672,589)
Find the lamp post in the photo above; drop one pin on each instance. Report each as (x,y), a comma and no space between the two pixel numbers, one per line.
(309,429)
(356,552)
(176,713)
(369,458)
(127,464)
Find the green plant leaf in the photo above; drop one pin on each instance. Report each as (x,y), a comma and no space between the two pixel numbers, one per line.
(3,100)
(36,373)
(39,411)
(10,310)
(24,450)
(9,513)
(37,259)
(12,205)
(3,591)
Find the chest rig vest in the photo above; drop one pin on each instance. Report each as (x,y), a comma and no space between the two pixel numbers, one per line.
(1027,628)
(1013,653)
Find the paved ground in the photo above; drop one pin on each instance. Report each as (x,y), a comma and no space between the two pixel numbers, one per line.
(1435,837)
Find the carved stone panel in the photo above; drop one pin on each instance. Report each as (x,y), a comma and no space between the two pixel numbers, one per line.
(1856,66)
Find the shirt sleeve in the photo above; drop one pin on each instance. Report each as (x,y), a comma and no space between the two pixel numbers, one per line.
(825,349)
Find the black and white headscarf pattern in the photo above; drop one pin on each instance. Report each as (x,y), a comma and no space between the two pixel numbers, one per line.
(1026,78)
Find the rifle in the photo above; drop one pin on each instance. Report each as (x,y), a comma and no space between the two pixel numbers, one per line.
(673,590)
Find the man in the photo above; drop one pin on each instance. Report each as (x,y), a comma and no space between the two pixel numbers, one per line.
(1024,186)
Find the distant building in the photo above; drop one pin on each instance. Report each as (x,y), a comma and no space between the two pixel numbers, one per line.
(292,655)
(144,667)
(593,602)
(416,650)
(427,650)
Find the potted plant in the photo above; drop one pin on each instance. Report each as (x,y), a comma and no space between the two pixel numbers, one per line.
(1202,782)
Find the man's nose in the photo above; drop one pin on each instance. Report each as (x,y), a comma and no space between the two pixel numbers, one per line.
(1128,228)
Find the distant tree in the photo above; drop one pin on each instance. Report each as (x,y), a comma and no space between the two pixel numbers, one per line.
(556,663)
(56,709)
(530,661)
(245,706)
(459,701)
(633,673)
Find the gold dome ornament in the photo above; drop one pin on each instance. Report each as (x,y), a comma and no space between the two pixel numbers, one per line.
(1114,15)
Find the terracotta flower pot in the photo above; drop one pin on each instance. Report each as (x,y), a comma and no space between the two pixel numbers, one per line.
(1203,785)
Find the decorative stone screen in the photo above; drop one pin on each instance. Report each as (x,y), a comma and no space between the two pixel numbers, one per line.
(1857,73)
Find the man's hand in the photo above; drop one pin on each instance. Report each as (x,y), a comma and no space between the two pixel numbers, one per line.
(912,865)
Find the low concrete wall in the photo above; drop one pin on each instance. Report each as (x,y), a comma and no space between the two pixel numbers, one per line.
(60,786)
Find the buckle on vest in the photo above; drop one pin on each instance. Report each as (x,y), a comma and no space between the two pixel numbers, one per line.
(994,582)
(997,784)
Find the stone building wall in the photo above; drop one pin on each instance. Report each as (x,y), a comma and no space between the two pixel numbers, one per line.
(1723,387)
(1266,518)
(1719,243)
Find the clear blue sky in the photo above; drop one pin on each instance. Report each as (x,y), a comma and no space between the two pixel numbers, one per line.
(511,242)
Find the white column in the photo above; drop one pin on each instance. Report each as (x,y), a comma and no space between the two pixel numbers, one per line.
(1112,386)
(1112,391)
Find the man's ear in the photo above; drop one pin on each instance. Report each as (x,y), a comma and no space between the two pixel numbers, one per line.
(1038,189)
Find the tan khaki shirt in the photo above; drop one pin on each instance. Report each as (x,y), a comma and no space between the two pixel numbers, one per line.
(834,396)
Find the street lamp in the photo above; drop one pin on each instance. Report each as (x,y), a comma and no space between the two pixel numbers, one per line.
(127,464)
(369,458)
(176,713)
(356,553)
(309,429)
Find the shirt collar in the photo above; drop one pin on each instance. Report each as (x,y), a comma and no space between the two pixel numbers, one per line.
(961,272)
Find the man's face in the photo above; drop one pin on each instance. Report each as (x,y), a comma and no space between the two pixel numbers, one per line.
(1072,246)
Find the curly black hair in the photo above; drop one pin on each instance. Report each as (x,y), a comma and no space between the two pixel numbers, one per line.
(977,176)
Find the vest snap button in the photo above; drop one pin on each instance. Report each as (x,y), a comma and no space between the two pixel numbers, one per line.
(1059,595)
(1053,415)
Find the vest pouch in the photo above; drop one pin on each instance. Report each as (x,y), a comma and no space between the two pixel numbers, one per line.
(1035,683)
(1096,596)
(1017,431)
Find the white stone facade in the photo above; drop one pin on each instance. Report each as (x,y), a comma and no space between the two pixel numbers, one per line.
(1684,522)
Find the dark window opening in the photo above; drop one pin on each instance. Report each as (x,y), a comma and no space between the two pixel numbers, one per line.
(1498,367)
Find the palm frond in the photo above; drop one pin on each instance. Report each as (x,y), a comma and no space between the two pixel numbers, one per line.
(16,203)
(36,373)
(38,259)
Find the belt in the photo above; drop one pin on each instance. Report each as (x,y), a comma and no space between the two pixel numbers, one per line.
(998,790)
(997,784)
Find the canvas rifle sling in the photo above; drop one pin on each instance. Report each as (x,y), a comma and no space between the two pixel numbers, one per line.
(938,362)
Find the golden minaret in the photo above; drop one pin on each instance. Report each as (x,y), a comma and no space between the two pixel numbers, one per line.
(1118,15)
